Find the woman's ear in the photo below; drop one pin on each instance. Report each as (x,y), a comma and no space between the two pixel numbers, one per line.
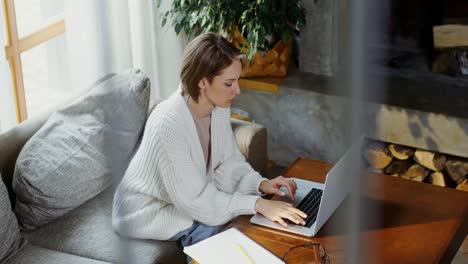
(203,83)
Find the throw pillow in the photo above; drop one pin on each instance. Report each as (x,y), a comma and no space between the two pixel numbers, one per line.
(9,230)
(80,149)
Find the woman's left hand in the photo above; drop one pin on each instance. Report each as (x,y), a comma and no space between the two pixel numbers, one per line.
(273,186)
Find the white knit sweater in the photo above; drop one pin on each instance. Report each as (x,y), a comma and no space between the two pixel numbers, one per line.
(166,186)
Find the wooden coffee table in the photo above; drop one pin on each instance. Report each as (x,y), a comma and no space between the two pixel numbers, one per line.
(408,222)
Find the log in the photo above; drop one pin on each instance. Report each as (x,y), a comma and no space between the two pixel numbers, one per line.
(401,152)
(446,62)
(416,172)
(374,170)
(456,169)
(418,178)
(429,159)
(398,167)
(463,186)
(437,178)
(450,36)
(377,154)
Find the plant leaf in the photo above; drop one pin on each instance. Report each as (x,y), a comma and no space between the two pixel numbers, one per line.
(286,36)
(177,28)
(258,20)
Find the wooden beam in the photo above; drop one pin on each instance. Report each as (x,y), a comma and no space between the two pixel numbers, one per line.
(15,46)
(8,52)
(450,36)
(44,34)
(48,32)
(15,60)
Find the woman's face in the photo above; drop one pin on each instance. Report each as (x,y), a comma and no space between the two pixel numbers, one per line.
(224,88)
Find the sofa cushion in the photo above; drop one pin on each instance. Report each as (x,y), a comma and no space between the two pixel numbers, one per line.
(74,155)
(87,231)
(252,141)
(9,229)
(34,254)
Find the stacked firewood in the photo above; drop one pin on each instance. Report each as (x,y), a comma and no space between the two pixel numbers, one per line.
(416,164)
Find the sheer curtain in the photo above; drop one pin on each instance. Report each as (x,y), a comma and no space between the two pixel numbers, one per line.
(170,49)
(104,36)
(112,35)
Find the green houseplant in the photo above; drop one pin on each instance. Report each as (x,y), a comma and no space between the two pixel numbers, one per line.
(261,23)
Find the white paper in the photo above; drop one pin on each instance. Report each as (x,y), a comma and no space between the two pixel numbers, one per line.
(224,248)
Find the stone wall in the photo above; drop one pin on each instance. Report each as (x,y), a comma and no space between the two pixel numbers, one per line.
(316,38)
(299,122)
(419,129)
(309,117)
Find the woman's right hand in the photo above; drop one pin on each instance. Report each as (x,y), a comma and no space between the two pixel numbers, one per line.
(277,211)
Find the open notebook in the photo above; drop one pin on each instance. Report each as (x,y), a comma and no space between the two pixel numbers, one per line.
(230,246)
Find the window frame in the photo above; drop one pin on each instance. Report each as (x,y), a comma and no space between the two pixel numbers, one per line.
(15,46)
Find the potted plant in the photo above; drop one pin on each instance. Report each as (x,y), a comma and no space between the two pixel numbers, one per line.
(262,29)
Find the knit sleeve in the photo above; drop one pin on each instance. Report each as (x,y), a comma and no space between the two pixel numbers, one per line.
(235,173)
(189,190)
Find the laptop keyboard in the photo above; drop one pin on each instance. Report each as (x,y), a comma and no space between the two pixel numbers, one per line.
(310,205)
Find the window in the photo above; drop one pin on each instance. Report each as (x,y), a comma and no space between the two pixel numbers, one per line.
(36,52)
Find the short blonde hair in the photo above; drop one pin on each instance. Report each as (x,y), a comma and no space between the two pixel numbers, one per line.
(205,56)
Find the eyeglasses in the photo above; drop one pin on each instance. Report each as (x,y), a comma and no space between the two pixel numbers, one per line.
(323,254)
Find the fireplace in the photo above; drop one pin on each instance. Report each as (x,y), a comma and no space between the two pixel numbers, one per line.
(407,103)
(403,56)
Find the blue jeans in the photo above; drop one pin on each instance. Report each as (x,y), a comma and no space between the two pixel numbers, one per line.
(196,233)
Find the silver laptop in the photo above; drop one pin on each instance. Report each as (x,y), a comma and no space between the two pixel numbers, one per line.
(321,199)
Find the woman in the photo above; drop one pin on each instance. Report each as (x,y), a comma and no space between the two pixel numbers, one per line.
(188,177)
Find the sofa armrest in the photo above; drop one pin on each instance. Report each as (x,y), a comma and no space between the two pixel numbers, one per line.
(252,141)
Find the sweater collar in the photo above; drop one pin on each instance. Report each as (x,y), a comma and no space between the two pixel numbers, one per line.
(177,96)
(183,109)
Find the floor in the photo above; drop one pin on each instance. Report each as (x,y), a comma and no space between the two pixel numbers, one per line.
(462,255)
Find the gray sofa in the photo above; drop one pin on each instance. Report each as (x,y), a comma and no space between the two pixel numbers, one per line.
(85,235)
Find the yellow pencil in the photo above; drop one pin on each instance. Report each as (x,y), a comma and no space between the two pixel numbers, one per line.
(244,253)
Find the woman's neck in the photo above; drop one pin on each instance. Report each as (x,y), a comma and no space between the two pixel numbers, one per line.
(201,109)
